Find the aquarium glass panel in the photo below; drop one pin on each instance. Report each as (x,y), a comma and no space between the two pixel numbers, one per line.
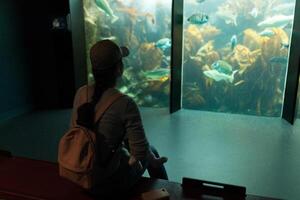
(236,55)
(144,26)
(298,98)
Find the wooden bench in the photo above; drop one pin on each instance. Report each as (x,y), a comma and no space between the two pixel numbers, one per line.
(22,178)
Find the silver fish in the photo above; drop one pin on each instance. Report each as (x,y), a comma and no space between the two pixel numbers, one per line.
(218,76)
(277,21)
(284,8)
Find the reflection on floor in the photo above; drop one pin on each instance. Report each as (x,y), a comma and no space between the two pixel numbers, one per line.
(257,152)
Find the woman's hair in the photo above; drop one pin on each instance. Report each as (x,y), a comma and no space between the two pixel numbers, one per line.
(104,79)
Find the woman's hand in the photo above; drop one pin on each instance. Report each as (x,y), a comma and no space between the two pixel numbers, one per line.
(133,161)
(157,162)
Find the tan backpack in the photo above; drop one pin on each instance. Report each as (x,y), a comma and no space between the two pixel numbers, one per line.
(76,150)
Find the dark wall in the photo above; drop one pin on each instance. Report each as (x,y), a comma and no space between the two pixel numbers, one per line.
(36,64)
(50,53)
(15,77)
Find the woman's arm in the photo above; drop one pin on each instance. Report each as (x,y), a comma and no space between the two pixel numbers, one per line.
(138,143)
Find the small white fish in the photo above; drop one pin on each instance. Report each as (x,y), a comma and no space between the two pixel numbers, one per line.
(228,16)
(217,76)
(109,38)
(285,7)
(254,12)
(277,20)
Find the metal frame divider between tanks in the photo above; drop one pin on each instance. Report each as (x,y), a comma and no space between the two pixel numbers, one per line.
(292,78)
(79,47)
(176,56)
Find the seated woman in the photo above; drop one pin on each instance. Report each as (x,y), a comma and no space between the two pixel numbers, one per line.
(119,128)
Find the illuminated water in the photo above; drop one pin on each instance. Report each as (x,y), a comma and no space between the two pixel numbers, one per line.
(145,28)
(253,38)
(235,51)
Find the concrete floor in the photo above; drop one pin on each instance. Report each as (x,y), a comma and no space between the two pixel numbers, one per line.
(260,153)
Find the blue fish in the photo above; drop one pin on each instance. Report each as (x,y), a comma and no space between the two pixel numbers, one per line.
(267,33)
(198,18)
(163,44)
(233,41)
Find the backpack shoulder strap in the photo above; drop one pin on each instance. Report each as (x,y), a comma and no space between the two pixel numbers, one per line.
(103,107)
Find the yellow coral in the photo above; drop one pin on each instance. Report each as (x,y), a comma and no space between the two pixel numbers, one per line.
(146,51)
(244,57)
(208,32)
(206,54)
(252,39)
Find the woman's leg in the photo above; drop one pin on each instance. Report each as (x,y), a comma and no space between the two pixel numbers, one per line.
(159,172)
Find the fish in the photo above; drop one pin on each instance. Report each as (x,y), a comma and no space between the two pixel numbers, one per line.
(233,42)
(254,12)
(288,26)
(279,60)
(148,98)
(218,76)
(157,74)
(239,82)
(228,16)
(163,44)
(222,67)
(198,18)
(105,7)
(277,21)
(200,1)
(284,45)
(285,8)
(150,17)
(109,38)
(267,33)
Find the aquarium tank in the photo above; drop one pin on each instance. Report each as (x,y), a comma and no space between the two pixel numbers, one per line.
(236,55)
(235,52)
(145,28)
